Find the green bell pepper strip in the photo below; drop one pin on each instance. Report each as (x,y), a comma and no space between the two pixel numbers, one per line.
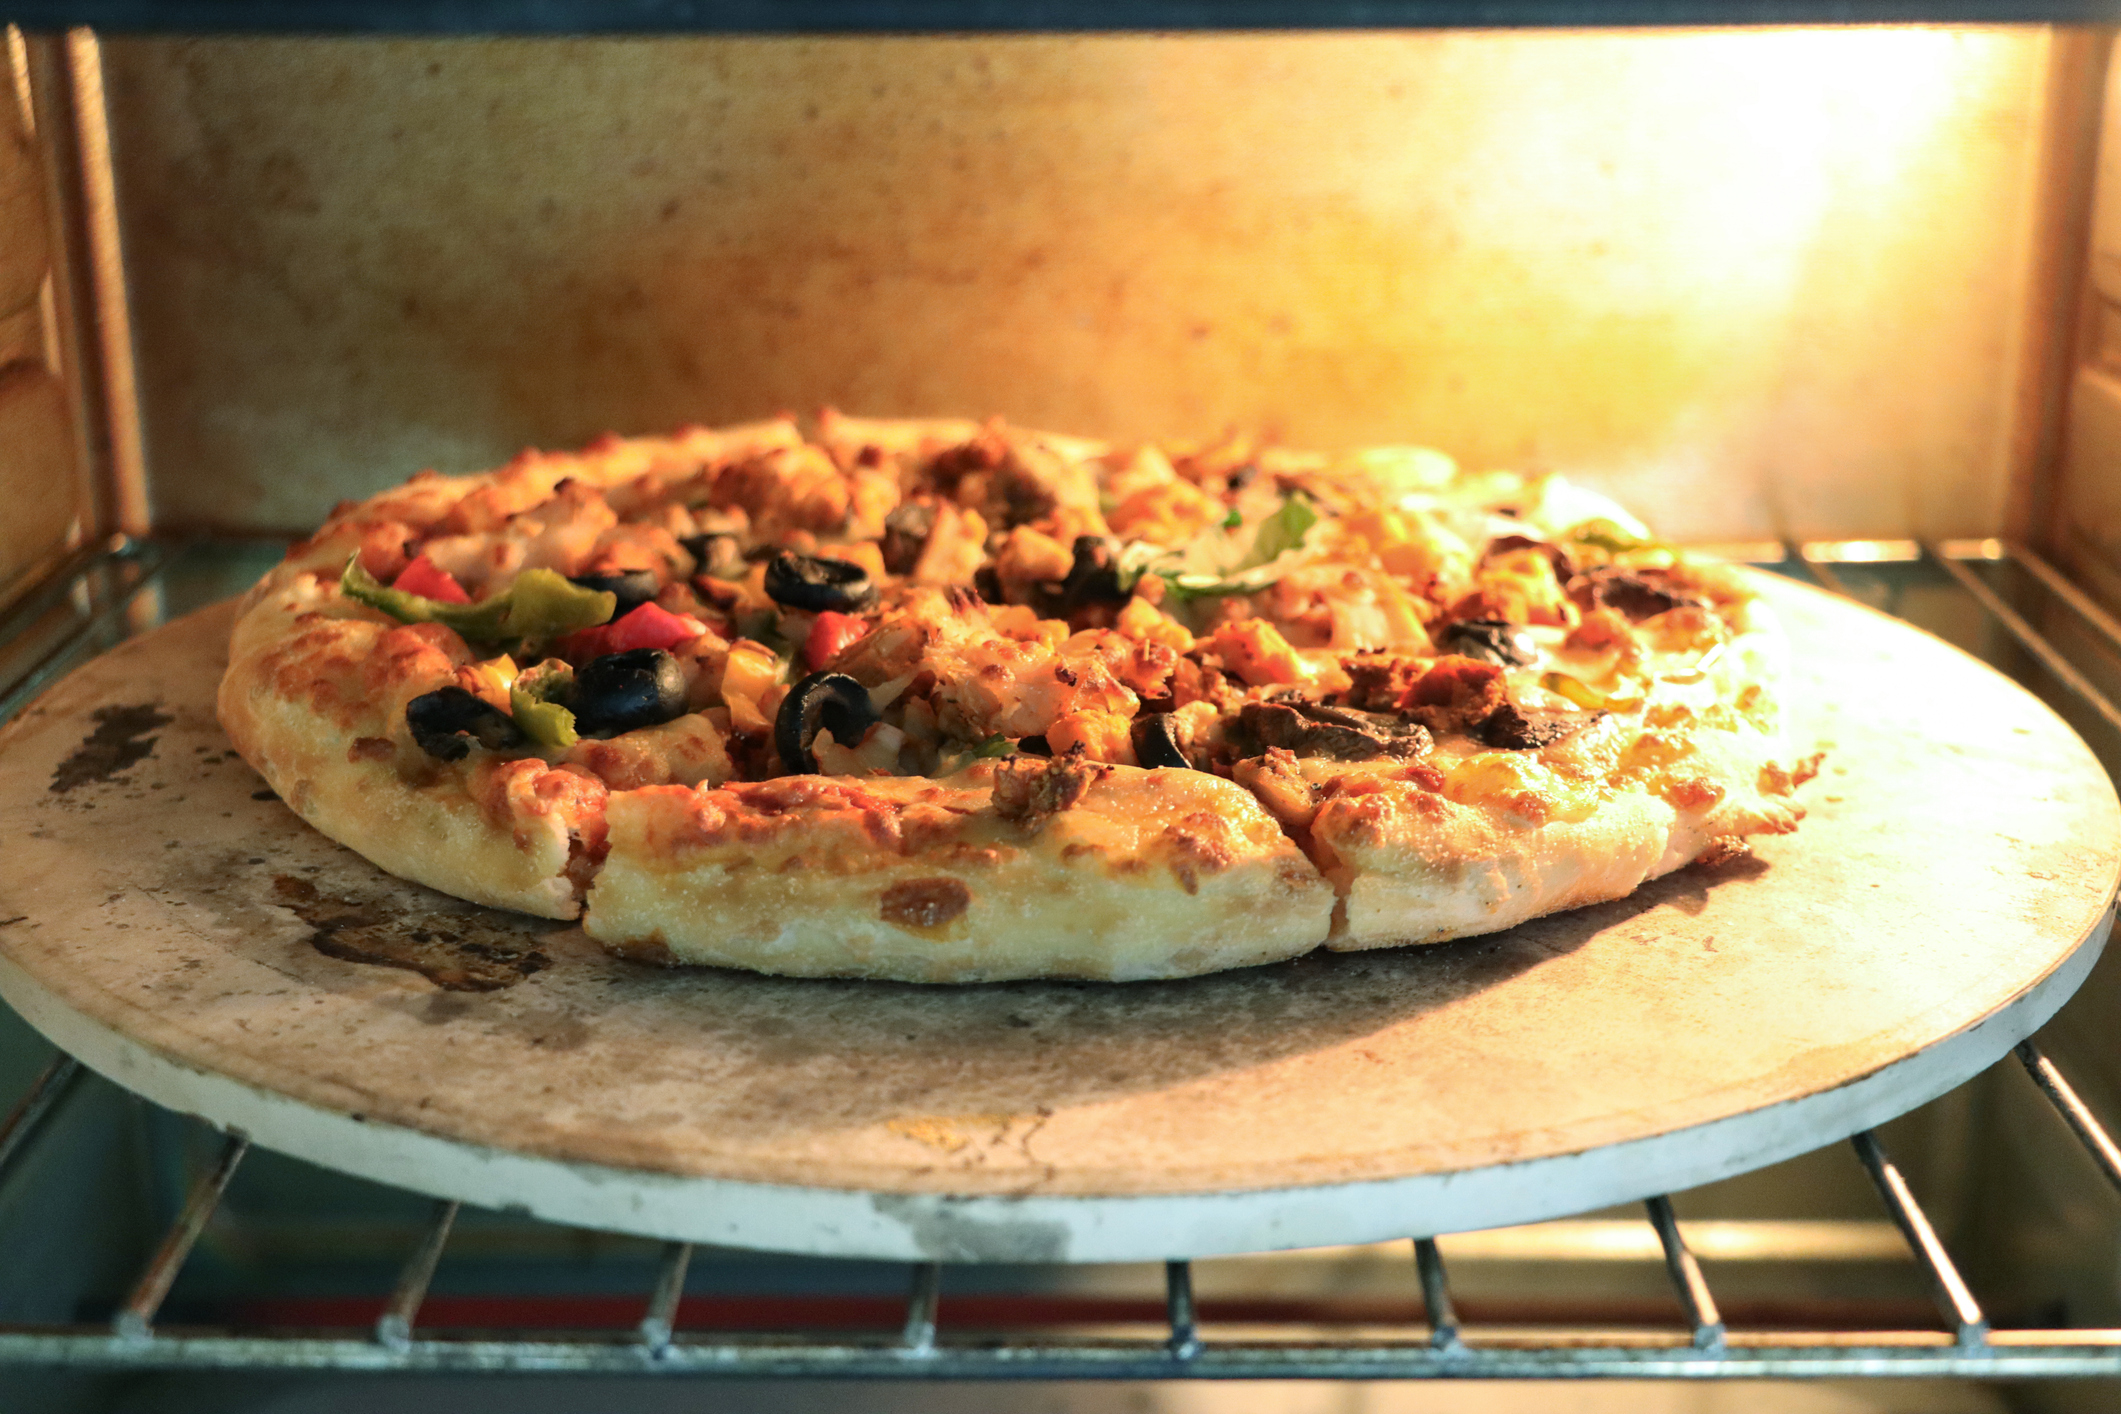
(541,604)
(534,701)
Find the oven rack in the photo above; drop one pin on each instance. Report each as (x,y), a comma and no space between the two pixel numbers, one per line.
(2037,624)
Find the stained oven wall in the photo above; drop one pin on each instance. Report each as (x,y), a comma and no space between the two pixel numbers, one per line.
(1755,282)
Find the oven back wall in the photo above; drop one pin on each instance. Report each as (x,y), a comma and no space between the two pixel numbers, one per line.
(1755,283)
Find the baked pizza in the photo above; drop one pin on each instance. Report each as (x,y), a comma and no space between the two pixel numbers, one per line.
(950,701)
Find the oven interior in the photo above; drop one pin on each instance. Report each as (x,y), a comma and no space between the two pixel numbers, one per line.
(1838,301)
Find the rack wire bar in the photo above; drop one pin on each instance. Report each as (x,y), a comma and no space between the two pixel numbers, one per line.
(919,1332)
(394,1326)
(2079,602)
(26,1120)
(1960,1310)
(136,1318)
(660,1322)
(1178,1310)
(2030,639)
(2019,1354)
(1687,1281)
(1436,1295)
(2075,1113)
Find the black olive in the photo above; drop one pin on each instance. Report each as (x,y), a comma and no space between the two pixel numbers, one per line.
(1034,746)
(634,587)
(830,702)
(1492,641)
(1155,744)
(719,554)
(906,532)
(449,721)
(622,691)
(815,583)
(1094,577)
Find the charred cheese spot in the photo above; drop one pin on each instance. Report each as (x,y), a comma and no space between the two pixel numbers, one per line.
(371,748)
(925,903)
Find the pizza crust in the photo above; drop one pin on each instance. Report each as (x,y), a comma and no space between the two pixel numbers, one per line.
(315,702)
(1150,874)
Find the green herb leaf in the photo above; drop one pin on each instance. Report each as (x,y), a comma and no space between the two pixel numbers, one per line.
(1234,519)
(1281,532)
(994,746)
(534,701)
(540,604)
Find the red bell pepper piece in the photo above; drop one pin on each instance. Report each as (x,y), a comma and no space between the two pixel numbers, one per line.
(430,581)
(830,635)
(649,626)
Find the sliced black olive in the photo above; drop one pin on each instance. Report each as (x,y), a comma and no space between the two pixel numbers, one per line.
(1034,746)
(815,583)
(906,532)
(719,553)
(1094,577)
(1155,744)
(1514,729)
(449,721)
(620,692)
(831,702)
(1491,641)
(634,587)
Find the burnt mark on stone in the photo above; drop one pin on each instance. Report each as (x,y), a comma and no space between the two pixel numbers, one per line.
(457,953)
(120,741)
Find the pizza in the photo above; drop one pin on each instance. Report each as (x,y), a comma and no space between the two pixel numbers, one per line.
(953,701)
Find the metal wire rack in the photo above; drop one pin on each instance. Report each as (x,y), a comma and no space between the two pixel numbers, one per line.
(2032,620)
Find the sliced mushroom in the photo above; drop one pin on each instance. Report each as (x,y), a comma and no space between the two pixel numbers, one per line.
(1156,744)
(1491,641)
(1512,728)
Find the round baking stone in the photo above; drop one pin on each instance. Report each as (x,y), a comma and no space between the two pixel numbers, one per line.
(167,920)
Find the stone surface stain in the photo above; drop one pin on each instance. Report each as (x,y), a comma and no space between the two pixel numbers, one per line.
(455,953)
(119,742)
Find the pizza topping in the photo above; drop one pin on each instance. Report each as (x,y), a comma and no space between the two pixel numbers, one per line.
(430,581)
(831,634)
(539,605)
(1094,577)
(1309,729)
(647,626)
(1586,696)
(831,702)
(1156,743)
(1637,593)
(449,721)
(535,698)
(1491,641)
(812,582)
(1514,729)
(633,588)
(906,532)
(1028,789)
(718,554)
(622,691)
